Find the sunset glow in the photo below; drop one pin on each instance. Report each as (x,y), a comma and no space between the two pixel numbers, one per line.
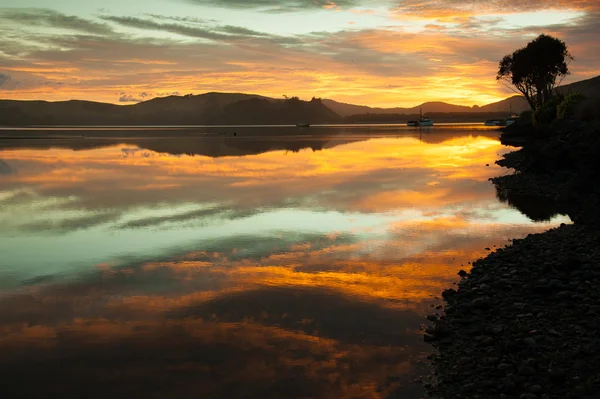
(379,53)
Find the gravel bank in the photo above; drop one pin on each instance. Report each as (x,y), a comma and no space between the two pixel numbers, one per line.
(525,322)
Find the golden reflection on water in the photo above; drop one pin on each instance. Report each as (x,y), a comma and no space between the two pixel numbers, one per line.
(320,296)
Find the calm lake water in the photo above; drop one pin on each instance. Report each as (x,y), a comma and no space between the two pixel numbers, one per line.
(276,263)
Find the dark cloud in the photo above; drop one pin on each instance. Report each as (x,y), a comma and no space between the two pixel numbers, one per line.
(7,82)
(54,19)
(211,33)
(280,5)
(71,224)
(5,169)
(128,98)
(197,215)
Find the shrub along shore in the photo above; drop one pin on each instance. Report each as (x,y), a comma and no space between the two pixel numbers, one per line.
(525,321)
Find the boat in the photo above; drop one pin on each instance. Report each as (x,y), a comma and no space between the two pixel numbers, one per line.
(496,122)
(509,120)
(302,124)
(423,120)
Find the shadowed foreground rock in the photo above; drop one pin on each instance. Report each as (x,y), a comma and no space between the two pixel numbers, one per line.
(525,322)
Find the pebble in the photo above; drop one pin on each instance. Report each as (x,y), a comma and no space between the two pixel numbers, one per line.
(536,389)
(432,317)
(526,370)
(480,303)
(553,347)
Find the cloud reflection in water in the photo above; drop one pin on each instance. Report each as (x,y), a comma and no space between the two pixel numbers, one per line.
(128,271)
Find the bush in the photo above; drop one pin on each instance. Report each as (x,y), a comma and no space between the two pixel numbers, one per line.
(566,107)
(526,118)
(547,114)
(589,110)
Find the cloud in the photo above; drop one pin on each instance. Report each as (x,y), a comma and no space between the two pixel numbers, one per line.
(53,19)
(128,98)
(200,215)
(144,96)
(5,169)
(456,9)
(7,82)
(217,33)
(71,224)
(281,6)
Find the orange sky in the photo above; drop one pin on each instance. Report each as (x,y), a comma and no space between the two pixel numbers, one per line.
(379,53)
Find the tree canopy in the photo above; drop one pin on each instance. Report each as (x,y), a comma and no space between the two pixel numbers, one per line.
(536,69)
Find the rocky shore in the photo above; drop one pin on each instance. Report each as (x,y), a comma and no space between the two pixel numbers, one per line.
(525,321)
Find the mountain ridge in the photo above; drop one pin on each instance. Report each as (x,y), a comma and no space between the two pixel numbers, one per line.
(238,108)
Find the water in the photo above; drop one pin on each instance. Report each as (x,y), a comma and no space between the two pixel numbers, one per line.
(276,263)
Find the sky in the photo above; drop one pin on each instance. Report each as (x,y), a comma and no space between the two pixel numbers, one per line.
(372,52)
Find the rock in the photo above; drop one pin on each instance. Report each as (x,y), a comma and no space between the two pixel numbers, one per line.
(580,365)
(429,338)
(448,293)
(485,279)
(508,385)
(554,283)
(503,367)
(503,282)
(526,371)
(497,330)
(469,387)
(480,303)
(535,389)
(564,295)
(525,321)
(557,372)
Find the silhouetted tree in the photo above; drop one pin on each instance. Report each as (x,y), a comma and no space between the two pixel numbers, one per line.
(535,70)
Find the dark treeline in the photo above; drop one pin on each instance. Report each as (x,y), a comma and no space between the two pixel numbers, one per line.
(436,116)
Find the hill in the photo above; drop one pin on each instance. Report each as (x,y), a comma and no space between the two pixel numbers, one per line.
(204,109)
(589,88)
(345,110)
(238,108)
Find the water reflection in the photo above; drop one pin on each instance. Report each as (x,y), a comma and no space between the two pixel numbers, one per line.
(537,208)
(261,266)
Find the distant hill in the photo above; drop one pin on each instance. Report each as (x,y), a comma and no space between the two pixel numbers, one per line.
(238,108)
(590,88)
(517,103)
(209,108)
(345,110)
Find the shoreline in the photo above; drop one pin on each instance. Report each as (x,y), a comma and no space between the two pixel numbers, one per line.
(524,322)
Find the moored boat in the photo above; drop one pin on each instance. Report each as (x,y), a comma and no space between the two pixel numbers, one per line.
(423,121)
(496,122)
